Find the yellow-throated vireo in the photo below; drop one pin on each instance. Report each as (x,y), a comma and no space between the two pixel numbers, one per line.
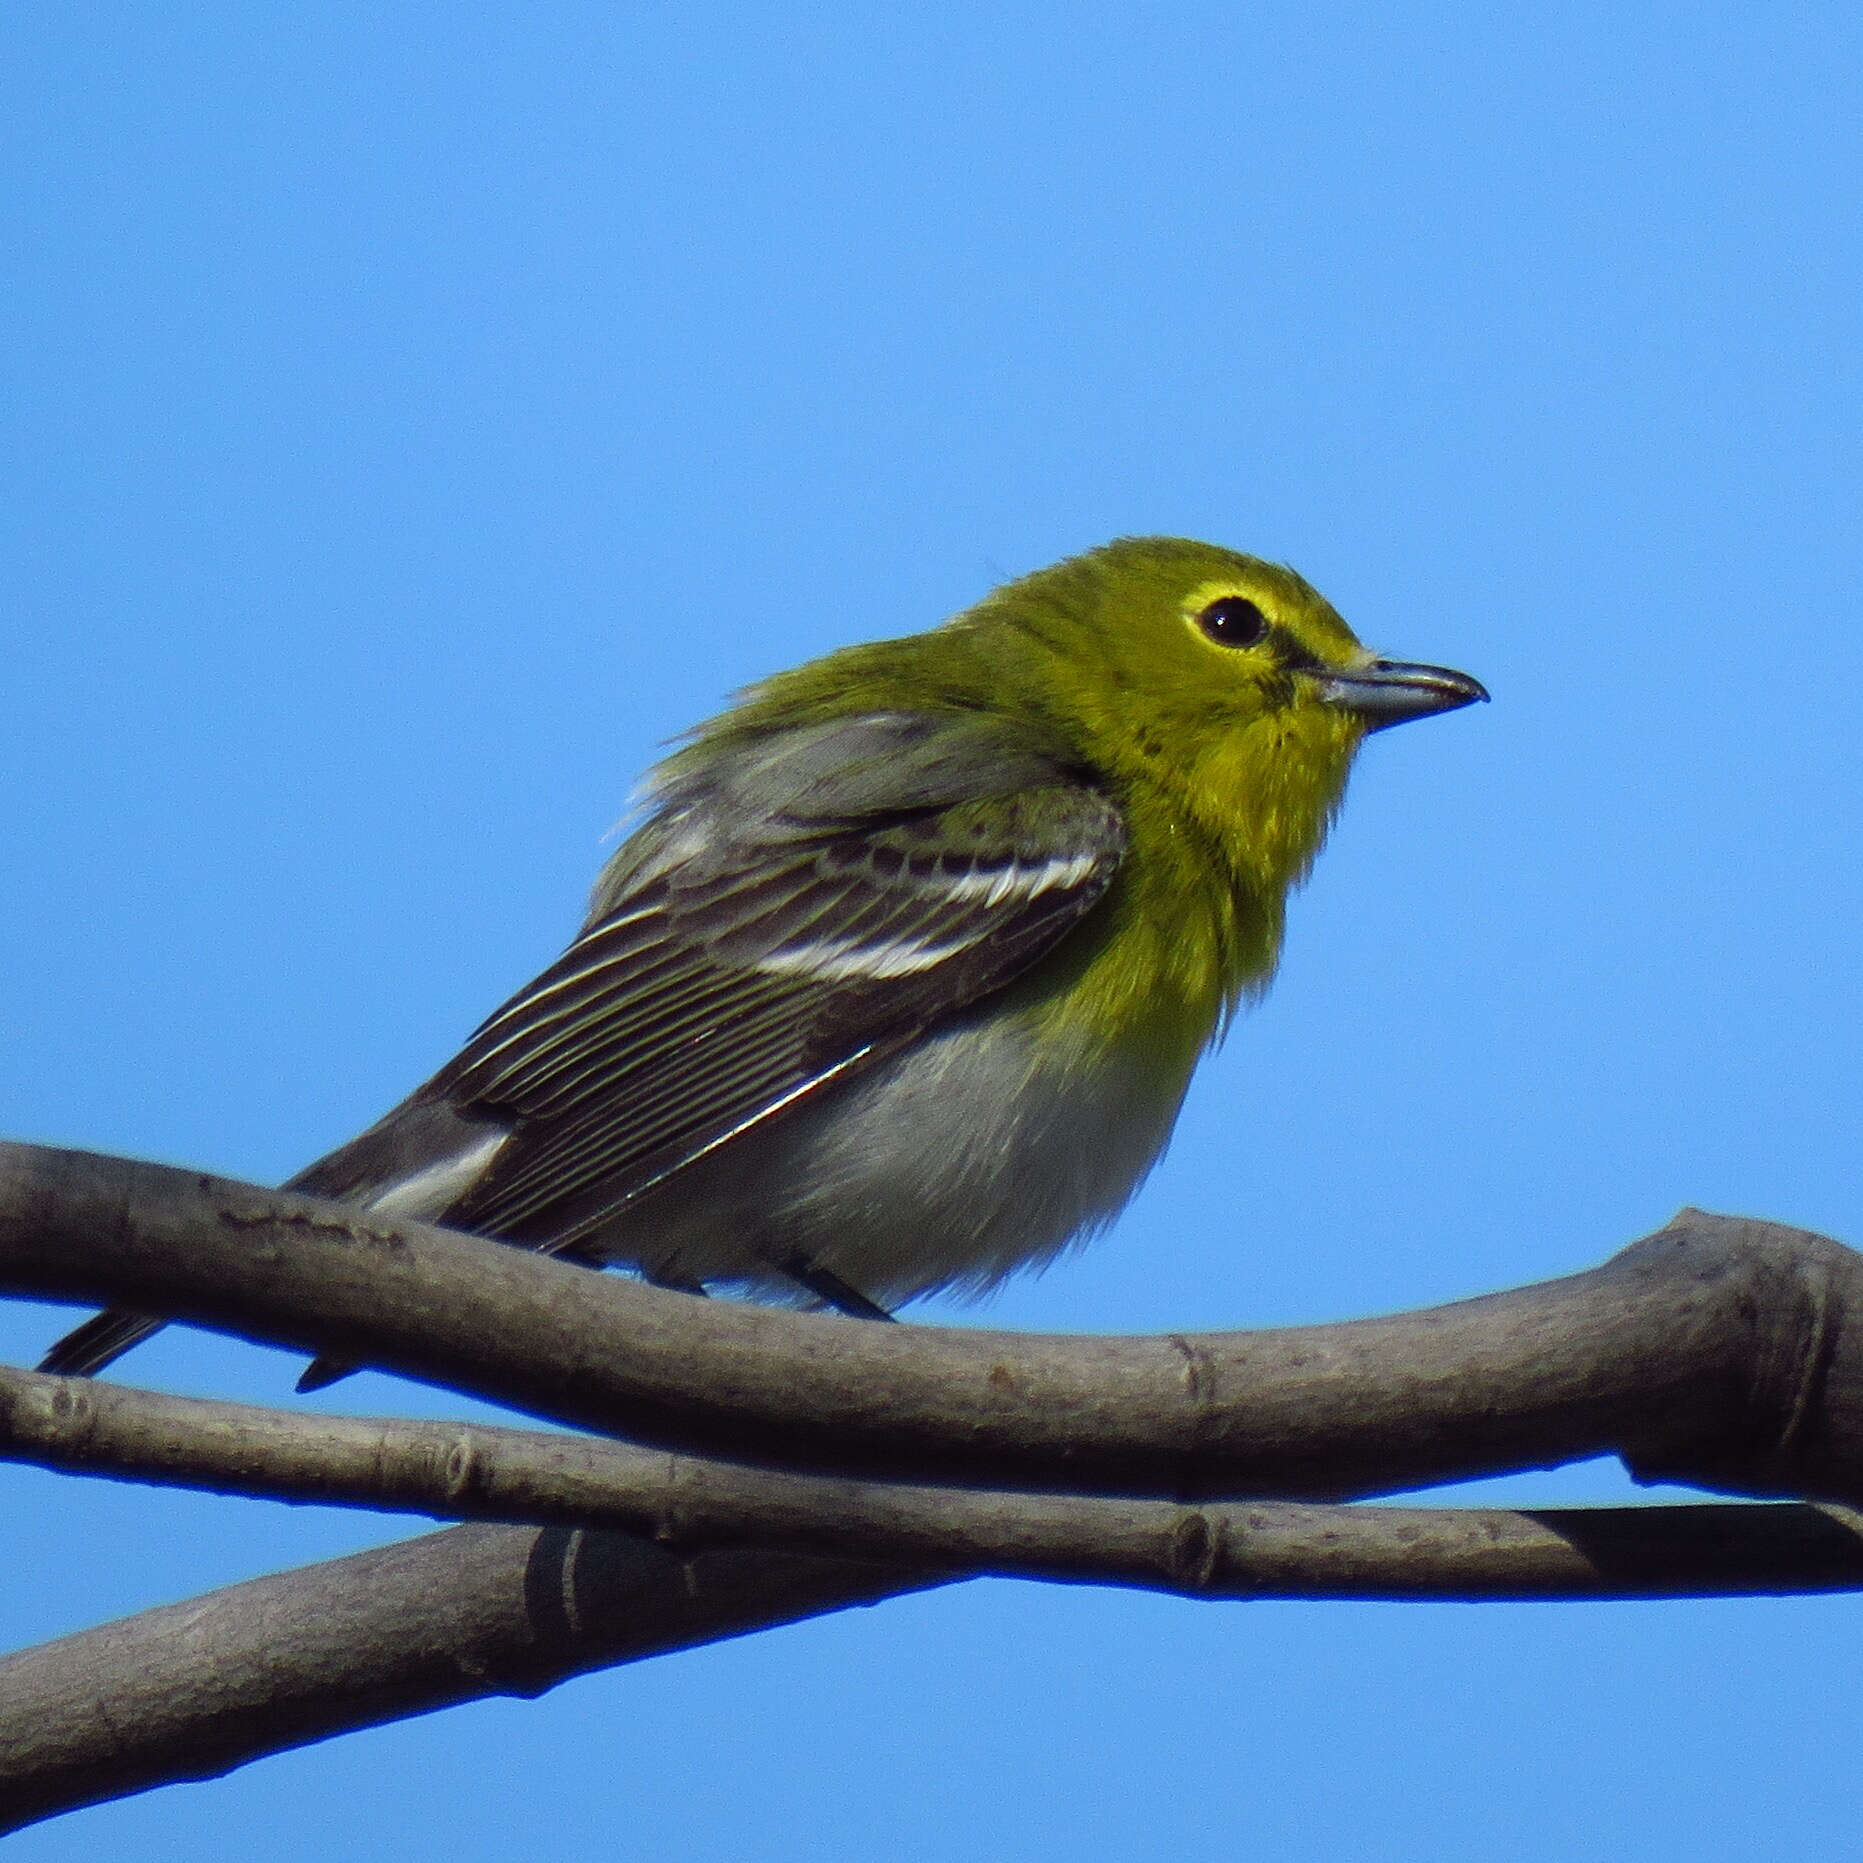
(900,982)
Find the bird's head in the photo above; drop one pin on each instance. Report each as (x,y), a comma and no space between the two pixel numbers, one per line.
(1220,682)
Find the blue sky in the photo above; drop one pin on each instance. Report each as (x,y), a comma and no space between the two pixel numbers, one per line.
(414,416)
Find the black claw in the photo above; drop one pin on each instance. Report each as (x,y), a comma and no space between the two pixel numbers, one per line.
(828,1287)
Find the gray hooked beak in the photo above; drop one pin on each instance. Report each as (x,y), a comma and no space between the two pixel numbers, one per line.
(1387,692)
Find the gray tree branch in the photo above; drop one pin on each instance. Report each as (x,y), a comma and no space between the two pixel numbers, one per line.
(691,1505)
(1718,1351)
(193,1690)
(1721,1351)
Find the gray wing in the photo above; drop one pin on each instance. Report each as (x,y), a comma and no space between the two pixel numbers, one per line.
(794,910)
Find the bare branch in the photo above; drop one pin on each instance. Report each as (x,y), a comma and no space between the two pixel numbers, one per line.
(690,1505)
(1720,1351)
(193,1690)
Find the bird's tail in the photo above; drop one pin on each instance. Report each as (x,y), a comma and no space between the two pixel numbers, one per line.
(321,1372)
(105,1337)
(100,1341)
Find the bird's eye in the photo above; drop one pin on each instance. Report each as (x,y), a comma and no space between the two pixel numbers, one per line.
(1233,621)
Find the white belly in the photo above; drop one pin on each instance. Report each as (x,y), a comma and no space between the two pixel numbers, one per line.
(949,1166)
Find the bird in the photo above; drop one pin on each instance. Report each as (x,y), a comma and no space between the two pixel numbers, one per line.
(899,982)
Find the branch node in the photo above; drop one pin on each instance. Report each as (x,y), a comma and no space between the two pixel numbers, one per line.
(1200,1381)
(74,1409)
(460,1470)
(1195,1550)
(574,1541)
(1815,1346)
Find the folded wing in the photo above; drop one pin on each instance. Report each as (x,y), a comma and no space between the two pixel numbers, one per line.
(795,909)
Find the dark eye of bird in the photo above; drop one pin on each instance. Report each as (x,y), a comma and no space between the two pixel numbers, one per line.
(1233,621)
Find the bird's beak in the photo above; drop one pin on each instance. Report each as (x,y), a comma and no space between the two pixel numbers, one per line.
(1387,692)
